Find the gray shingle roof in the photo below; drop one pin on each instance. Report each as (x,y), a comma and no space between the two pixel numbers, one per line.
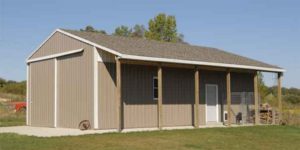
(151,48)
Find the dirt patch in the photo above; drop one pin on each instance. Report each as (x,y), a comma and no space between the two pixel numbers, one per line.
(4,99)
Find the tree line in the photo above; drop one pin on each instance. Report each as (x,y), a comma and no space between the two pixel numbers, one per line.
(268,94)
(12,87)
(160,28)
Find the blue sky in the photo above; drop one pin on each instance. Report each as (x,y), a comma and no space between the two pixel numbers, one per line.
(264,30)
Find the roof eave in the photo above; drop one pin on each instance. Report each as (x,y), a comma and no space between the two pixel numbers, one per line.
(156,59)
(179,61)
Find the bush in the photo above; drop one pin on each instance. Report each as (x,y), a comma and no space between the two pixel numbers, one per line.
(15,88)
(293,99)
(291,117)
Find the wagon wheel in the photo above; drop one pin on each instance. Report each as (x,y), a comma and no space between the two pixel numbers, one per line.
(84,125)
(283,122)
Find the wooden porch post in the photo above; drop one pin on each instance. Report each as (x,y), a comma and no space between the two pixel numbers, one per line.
(279,78)
(119,94)
(196,106)
(159,102)
(256,99)
(228,93)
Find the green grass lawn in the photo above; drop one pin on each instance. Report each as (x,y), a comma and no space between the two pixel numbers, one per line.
(259,137)
(9,118)
(13,120)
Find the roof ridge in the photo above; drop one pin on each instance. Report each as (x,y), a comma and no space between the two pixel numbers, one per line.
(136,38)
(159,49)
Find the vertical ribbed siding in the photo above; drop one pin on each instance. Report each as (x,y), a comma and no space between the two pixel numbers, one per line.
(212,77)
(106,57)
(42,93)
(178,97)
(240,82)
(107,115)
(58,43)
(107,92)
(75,89)
(74,80)
(140,110)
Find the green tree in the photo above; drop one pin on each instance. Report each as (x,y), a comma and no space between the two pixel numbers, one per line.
(2,82)
(138,31)
(18,88)
(90,28)
(180,39)
(123,31)
(293,99)
(163,28)
(294,91)
(11,82)
(263,89)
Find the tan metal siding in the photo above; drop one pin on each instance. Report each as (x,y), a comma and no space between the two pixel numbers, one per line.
(75,89)
(42,93)
(212,77)
(240,82)
(140,110)
(178,97)
(74,79)
(58,43)
(107,92)
(106,57)
(107,117)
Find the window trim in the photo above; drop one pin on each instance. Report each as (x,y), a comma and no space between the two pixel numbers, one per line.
(154,88)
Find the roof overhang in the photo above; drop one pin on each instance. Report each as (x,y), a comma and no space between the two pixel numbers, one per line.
(156,59)
(202,63)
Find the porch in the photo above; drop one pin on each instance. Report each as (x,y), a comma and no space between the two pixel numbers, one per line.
(237,97)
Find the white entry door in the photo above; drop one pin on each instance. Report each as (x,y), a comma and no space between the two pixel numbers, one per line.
(211,102)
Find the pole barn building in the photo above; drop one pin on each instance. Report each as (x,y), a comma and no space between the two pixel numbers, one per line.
(123,83)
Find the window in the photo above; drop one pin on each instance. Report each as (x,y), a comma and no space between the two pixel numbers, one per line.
(155,88)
